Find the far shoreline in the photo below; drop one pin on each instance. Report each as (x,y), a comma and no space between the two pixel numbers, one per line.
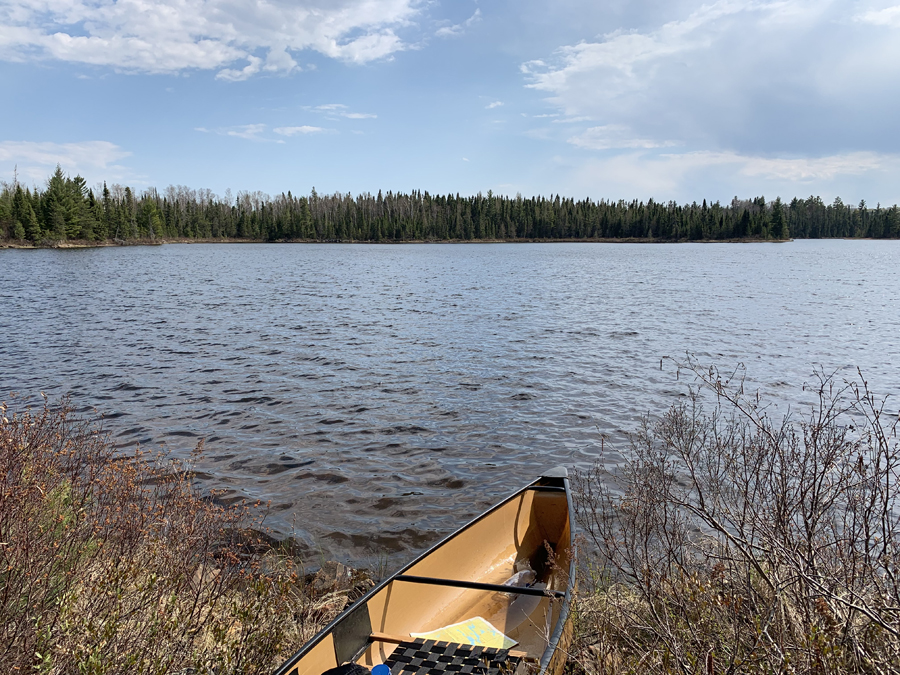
(82,244)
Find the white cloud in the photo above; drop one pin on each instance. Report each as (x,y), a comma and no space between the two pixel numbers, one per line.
(806,169)
(723,174)
(458,29)
(795,170)
(495,104)
(293,131)
(614,136)
(250,132)
(259,132)
(36,160)
(340,110)
(630,61)
(889,16)
(574,120)
(238,38)
(248,71)
(769,76)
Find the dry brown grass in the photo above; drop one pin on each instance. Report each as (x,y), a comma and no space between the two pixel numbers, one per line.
(112,564)
(734,542)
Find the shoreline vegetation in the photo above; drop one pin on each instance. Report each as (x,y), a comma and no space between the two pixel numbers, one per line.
(728,541)
(81,243)
(66,213)
(116,563)
(735,540)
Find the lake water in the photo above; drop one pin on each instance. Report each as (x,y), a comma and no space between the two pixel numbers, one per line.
(379,396)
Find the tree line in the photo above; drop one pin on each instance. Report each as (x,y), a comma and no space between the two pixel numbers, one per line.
(66,209)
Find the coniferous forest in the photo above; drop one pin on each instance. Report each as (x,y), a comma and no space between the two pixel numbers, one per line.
(67,210)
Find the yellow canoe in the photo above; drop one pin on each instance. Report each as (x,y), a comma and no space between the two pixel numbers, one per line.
(492,598)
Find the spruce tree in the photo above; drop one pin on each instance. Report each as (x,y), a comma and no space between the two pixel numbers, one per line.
(31,226)
(19,204)
(106,219)
(25,224)
(777,222)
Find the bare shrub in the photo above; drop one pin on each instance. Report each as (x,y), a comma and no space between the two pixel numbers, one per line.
(119,565)
(731,541)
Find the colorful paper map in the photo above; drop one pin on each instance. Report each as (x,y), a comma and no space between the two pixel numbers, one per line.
(475,631)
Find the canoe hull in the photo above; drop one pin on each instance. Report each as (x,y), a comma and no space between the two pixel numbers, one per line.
(461,578)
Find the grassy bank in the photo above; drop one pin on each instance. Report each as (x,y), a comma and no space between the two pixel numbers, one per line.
(112,564)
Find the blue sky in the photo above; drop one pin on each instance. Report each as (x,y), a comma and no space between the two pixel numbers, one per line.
(675,99)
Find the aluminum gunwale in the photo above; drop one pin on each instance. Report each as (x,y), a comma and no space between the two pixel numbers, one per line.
(286,667)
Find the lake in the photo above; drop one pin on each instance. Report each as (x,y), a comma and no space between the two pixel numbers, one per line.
(379,396)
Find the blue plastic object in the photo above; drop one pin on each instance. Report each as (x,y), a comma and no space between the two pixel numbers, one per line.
(381,669)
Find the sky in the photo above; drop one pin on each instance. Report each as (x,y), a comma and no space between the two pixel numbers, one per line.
(608,99)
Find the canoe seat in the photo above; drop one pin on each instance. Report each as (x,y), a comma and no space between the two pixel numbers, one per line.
(428,657)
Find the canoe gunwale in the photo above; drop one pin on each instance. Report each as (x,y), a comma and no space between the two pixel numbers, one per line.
(535,486)
(563,619)
(478,586)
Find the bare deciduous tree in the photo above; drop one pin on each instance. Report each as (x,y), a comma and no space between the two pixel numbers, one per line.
(732,541)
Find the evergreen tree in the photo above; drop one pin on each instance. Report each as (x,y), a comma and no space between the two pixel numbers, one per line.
(66,209)
(106,219)
(15,213)
(24,217)
(130,229)
(150,219)
(777,222)
(57,205)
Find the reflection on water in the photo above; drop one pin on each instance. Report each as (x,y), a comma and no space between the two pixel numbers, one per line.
(378,396)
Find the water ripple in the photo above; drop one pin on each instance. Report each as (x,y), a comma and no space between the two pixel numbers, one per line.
(378,396)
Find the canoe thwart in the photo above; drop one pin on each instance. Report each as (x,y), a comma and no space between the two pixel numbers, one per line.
(388,638)
(478,586)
